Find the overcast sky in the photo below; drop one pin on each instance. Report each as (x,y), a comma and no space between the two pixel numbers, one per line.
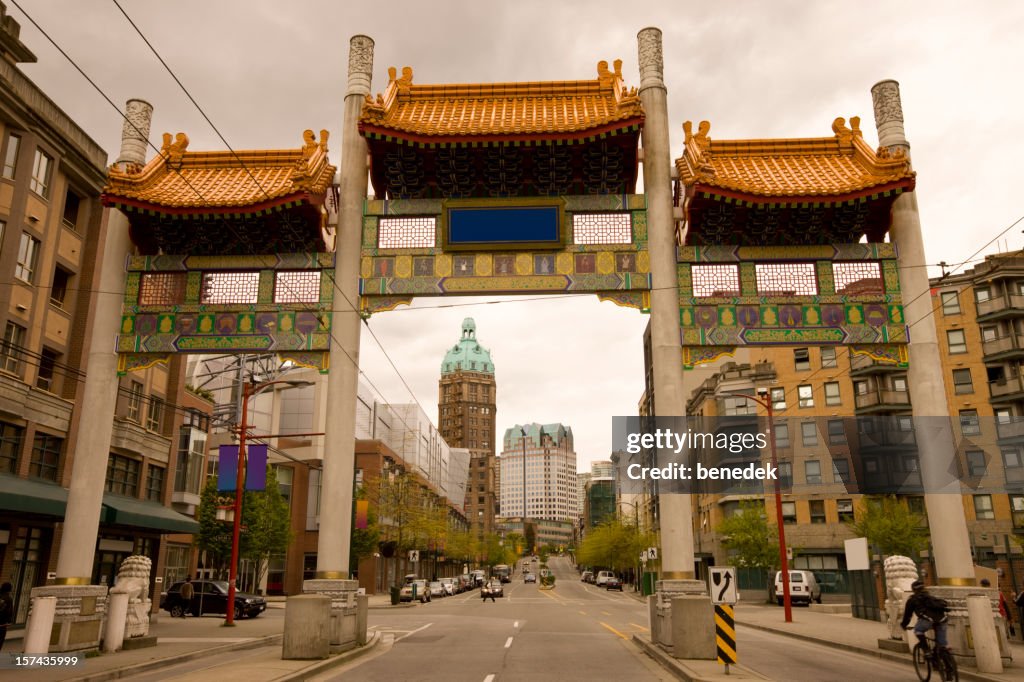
(265,71)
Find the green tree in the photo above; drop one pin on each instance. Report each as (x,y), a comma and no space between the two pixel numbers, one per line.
(214,536)
(749,538)
(365,541)
(890,526)
(267,522)
(614,544)
(530,534)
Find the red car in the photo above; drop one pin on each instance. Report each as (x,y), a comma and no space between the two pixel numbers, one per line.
(613,583)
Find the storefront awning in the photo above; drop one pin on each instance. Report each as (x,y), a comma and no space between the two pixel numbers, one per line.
(127,511)
(32,496)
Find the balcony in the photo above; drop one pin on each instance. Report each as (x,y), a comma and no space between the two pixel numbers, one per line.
(882,400)
(1006,390)
(1011,430)
(1003,348)
(1001,306)
(861,365)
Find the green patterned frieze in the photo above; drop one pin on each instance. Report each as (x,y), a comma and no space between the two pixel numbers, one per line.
(891,276)
(193,286)
(640,226)
(826,282)
(748,279)
(266,287)
(131,288)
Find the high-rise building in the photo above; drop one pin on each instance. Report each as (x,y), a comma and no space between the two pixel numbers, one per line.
(467,404)
(549,468)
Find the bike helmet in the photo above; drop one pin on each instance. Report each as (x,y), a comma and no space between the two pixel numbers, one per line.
(917,586)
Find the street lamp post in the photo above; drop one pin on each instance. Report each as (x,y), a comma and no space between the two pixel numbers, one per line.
(783,558)
(248,391)
(522,430)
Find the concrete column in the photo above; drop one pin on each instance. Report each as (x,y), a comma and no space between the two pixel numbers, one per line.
(950,540)
(99,395)
(117,617)
(342,382)
(40,625)
(983,628)
(677,557)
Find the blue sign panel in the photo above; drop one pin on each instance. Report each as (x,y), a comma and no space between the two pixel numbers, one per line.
(504,227)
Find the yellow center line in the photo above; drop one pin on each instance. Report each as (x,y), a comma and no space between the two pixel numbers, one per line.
(548,594)
(609,627)
(640,627)
(583,613)
(605,613)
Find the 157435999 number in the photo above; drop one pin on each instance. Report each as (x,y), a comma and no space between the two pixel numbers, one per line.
(24,661)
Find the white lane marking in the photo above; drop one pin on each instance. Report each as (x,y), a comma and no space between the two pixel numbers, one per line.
(515,624)
(489,678)
(413,632)
(508,642)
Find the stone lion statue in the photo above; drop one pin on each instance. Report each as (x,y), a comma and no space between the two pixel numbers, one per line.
(900,572)
(133,580)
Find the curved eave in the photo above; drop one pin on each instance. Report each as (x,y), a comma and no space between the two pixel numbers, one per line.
(380,132)
(139,206)
(904,185)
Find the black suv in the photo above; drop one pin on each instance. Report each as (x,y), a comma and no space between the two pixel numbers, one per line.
(211,596)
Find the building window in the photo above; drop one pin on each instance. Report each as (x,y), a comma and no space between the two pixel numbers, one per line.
(59,290)
(778,398)
(836,432)
(738,406)
(10,446)
(817,508)
(72,204)
(969,423)
(785,474)
(48,360)
(957,341)
(832,396)
(809,433)
(284,482)
(155,483)
(162,288)
(154,416)
(828,358)
(300,286)
(989,334)
(229,287)
(11,157)
(841,470)
(789,512)
(983,507)
(1011,458)
(41,168)
(976,465)
(134,401)
(46,450)
(11,348)
(1017,510)
(191,453)
(962,381)
(844,508)
(950,302)
(801,359)
(981,294)
(781,433)
(899,384)
(28,258)
(812,472)
(805,395)
(122,475)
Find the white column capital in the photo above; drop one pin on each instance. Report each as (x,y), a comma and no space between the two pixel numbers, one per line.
(652,63)
(360,65)
(885,95)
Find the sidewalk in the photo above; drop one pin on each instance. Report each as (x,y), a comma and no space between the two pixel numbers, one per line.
(184,639)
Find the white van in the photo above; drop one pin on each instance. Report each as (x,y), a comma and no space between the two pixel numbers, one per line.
(602,577)
(803,587)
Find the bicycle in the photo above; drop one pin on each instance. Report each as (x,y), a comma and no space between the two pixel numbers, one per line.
(928,657)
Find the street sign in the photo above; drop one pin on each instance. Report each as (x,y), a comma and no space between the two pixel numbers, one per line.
(723,585)
(725,634)
(414,556)
(652,553)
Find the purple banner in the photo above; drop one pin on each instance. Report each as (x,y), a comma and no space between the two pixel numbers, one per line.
(256,468)
(227,469)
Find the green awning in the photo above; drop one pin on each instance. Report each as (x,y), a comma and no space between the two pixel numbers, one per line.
(32,496)
(127,511)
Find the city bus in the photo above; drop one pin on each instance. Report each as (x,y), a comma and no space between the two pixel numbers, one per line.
(502,572)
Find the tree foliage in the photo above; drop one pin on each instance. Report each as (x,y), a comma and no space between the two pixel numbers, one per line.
(615,545)
(890,526)
(748,536)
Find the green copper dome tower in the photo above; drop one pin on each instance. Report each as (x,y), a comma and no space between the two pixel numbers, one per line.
(467,355)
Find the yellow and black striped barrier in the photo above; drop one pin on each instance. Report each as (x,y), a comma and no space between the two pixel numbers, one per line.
(725,634)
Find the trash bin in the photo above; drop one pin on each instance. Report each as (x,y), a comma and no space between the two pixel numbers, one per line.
(396,595)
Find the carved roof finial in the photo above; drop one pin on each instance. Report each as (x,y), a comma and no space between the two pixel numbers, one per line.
(174,150)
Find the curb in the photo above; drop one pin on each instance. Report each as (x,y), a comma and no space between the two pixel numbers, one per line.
(334,661)
(138,668)
(885,655)
(679,669)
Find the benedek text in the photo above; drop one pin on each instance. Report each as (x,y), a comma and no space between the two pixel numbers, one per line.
(680,472)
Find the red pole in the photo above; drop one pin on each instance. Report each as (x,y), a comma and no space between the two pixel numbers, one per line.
(783,559)
(229,615)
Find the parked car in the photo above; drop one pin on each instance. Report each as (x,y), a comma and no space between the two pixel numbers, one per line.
(479,577)
(465,582)
(450,586)
(602,577)
(587,577)
(436,588)
(211,596)
(529,577)
(494,587)
(422,592)
(613,583)
(803,587)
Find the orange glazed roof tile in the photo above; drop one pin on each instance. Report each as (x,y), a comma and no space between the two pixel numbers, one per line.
(560,108)
(811,167)
(177,179)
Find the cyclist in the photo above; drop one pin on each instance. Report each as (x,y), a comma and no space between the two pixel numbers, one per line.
(930,612)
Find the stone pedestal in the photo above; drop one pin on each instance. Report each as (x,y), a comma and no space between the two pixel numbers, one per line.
(117,616)
(677,623)
(961,636)
(344,611)
(78,621)
(306,626)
